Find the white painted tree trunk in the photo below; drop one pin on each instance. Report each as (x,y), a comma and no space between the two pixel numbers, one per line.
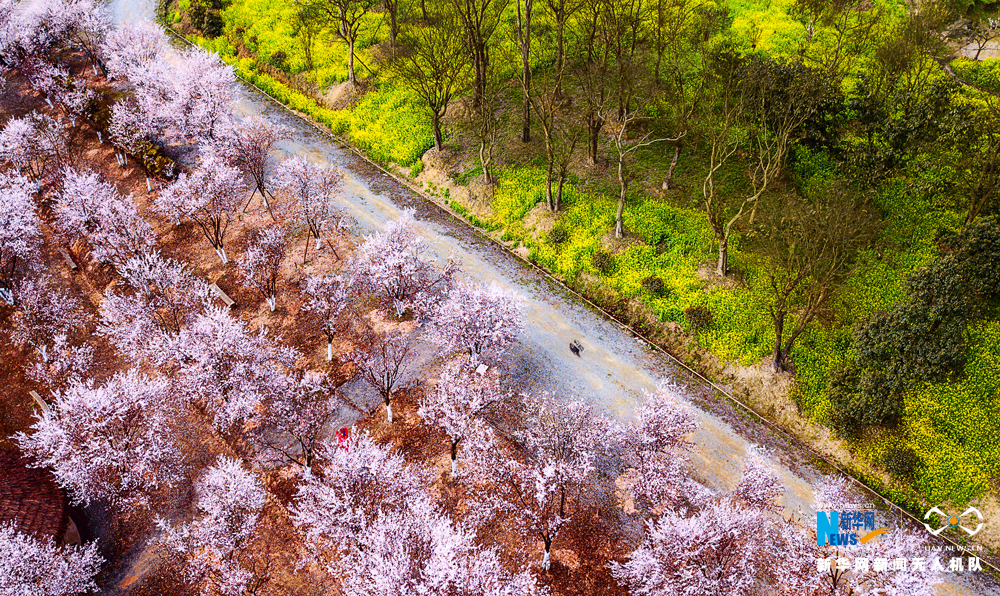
(272,302)
(149,185)
(7,296)
(94,66)
(454,468)
(100,139)
(388,412)
(49,101)
(44,351)
(319,243)
(222,255)
(329,351)
(72,121)
(546,559)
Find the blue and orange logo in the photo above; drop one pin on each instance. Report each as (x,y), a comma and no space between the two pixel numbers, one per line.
(840,528)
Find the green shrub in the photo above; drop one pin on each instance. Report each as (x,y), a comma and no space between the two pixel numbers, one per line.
(416,168)
(603,262)
(698,317)
(900,462)
(654,285)
(558,235)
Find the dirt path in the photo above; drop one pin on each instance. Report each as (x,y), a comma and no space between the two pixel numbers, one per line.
(614,369)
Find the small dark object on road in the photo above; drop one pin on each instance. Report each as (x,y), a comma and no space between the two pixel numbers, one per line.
(576,347)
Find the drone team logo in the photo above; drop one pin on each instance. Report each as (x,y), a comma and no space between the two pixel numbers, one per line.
(954,521)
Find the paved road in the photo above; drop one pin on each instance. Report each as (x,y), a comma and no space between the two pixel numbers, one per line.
(614,370)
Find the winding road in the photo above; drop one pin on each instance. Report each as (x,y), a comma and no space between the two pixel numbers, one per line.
(615,368)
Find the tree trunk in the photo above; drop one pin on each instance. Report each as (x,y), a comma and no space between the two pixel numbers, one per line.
(391,7)
(423,9)
(484,163)
(549,202)
(593,133)
(454,458)
(547,557)
(272,302)
(329,350)
(525,39)
(621,197)
(388,411)
(480,66)
(436,124)
(350,63)
(673,164)
(721,268)
(221,251)
(559,191)
(778,359)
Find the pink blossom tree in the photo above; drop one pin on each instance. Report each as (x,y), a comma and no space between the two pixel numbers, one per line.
(395,268)
(130,50)
(20,235)
(66,365)
(260,267)
(296,415)
(461,405)
(174,295)
(312,188)
(40,568)
(336,505)
(44,314)
(215,548)
(248,146)
(383,359)
(422,552)
(210,196)
(34,145)
(329,296)
(199,103)
(657,446)
(477,319)
(228,370)
(131,129)
(834,494)
(735,543)
(89,206)
(111,442)
(539,483)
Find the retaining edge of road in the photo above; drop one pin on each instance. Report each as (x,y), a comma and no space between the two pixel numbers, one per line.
(552,278)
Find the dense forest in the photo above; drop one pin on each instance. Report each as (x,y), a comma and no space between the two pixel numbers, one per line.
(803,187)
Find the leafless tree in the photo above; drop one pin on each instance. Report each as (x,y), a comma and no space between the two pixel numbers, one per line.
(432,64)
(480,20)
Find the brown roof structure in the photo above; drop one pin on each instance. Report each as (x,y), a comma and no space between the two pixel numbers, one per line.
(30,498)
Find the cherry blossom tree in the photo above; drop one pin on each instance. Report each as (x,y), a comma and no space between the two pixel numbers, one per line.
(228,370)
(477,319)
(45,313)
(47,79)
(260,267)
(89,206)
(539,483)
(336,505)
(174,295)
(210,196)
(193,96)
(329,295)
(131,129)
(216,548)
(20,235)
(312,188)
(656,449)
(728,544)
(834,494)
(34,145)
(110,442)
(248,146)
(383,359)
(460,405)
(66,365)
(292,428)
(40,568)
(130,50)
(394,267)
(422,552)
